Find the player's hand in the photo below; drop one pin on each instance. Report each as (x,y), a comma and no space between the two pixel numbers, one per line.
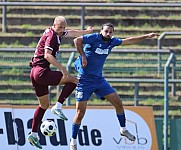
(89,29)
(152,35)
(65,73)
(84,62)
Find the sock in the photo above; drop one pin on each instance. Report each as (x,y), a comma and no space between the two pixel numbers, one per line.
(38,115)
(34,134)
(122,129)
(73,141)
(75,130)
(66,91)
(122,121)
(58,105)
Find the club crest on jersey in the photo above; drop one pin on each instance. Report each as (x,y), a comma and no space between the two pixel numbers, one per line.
(101,51)
(79,94)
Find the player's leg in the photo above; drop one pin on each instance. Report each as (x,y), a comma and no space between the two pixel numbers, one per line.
(33,137)
(55,78)
(39,112)
(43,98)
(104,90)
(80,112)
(82,94)
(115,100)
(70,84)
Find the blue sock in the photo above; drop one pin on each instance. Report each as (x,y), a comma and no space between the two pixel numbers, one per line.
(122,119)
(75,130)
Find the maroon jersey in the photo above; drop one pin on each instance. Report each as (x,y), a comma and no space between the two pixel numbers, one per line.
(49,40)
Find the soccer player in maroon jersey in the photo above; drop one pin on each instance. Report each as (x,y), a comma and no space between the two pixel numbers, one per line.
(42,76)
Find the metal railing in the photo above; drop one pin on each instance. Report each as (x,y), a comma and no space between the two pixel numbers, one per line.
(82,5)
(166,98)
(159,45)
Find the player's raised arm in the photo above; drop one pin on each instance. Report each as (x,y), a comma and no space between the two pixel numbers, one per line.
(76,33)
(79,46)
(136,39)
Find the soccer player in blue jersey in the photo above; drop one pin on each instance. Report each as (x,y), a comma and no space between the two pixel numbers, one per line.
(89,65)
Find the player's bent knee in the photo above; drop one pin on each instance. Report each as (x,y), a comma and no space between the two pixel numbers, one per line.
(69,79)
(44,106)
(44,101)
(73,79)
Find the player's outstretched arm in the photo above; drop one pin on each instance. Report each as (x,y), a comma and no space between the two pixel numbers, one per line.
(76,33)
(136,39)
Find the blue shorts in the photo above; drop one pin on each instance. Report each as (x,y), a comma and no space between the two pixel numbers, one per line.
(87,86)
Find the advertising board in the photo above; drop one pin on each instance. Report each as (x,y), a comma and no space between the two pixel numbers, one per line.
(99,129)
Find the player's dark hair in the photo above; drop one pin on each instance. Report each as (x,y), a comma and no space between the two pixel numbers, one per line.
(109,25)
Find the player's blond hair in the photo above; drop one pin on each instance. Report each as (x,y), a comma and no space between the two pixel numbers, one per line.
(59,19)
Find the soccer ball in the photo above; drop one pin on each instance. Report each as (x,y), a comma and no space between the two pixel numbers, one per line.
(48,128)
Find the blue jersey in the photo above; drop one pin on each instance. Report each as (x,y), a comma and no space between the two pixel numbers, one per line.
(96,51)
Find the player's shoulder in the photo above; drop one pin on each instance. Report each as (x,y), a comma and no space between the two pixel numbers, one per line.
(92,34)
(96,35)
(116,41)
(115,38)
(49,32)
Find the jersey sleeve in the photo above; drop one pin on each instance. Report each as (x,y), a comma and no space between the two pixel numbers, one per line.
(116,41)
(49,43)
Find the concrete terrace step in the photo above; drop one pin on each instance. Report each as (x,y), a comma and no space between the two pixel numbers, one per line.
(128,16)
(96,11)
(95,21)
(123,32)
(26,40)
